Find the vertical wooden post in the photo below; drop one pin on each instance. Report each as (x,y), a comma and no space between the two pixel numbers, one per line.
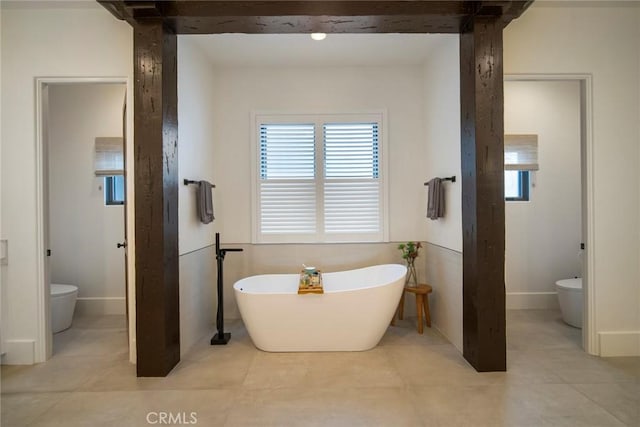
(482,128)
(156,202)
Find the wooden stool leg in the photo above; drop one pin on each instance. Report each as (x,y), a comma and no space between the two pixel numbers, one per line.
(401,307)
(427,315)
(395,314)
(419,304)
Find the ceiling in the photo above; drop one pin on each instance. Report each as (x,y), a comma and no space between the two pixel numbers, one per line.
(299,50)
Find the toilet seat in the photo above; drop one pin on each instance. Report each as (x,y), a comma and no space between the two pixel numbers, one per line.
(63,303)
(58,290)
(571,285)
(570,300)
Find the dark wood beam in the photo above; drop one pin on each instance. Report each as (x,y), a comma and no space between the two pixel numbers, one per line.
(309,24)
(193,17)
(482,150)
(347,16)
(156,142)
(156,201)
(514,9)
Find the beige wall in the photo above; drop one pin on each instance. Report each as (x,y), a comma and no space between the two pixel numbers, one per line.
(43,42)
(195,162)
(543,235)
(267,259)
(602,42)
(308,90)
(83,230)
(241,90)
(443,252)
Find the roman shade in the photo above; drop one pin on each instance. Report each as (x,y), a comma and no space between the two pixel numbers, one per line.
(109,158)
(521,152)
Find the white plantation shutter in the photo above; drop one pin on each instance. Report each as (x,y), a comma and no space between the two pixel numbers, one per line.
(319,179)
(287,184)
(351,150)
(287,151)
(351,187)
(288,207)
(351,207)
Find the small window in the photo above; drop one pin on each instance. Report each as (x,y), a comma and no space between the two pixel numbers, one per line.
(114,190)
(319,179)
(520,158)
(516,186)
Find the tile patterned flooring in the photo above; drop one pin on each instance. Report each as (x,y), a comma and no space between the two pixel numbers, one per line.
(408,380)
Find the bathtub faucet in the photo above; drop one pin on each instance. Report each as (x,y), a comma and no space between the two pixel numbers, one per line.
(222,252)
(222,337)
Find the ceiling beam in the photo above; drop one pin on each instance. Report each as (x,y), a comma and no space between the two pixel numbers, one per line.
(306,16)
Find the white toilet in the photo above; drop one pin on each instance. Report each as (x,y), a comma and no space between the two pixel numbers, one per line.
(570,300)
(63,302)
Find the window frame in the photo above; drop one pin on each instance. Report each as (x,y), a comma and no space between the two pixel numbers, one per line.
(524,179)
(110,191)
(319,237)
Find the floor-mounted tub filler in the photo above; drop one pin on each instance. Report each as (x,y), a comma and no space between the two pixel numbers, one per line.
(352,314)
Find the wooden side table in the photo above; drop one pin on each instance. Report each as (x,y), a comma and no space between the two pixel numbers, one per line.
(421,292)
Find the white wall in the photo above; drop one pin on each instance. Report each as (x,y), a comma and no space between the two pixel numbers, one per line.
(443,252)
(83,231)
(239,91)
(543,235)
(196,129)
(3,280)
(602,42)
(442,131)
(195,162)
(38,42)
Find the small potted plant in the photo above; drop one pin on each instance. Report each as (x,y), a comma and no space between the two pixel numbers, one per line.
(410,253)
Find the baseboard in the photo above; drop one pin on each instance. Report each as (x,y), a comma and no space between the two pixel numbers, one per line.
(19,352)
(619,344)
(100,306)
(531,300)
(443,333)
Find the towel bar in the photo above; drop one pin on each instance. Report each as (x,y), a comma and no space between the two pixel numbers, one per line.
(188,181)
(449,178)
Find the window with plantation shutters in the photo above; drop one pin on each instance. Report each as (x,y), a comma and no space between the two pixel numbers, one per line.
(351,186)
(287,179)
(319,179)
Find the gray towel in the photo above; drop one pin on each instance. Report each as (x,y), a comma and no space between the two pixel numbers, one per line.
(204,202)
(435,202)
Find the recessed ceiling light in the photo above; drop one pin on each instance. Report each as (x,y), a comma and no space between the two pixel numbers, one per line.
(318,36)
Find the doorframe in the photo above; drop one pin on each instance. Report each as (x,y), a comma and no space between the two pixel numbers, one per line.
(589,331)
(44,336)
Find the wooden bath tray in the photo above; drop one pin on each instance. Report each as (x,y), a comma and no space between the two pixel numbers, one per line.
(310,284)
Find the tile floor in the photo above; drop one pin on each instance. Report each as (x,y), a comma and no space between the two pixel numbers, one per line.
(409,380)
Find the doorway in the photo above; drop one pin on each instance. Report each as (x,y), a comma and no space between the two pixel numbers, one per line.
(81,158)
(545,234)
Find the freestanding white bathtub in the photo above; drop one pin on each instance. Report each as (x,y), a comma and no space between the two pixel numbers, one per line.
(352,314)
